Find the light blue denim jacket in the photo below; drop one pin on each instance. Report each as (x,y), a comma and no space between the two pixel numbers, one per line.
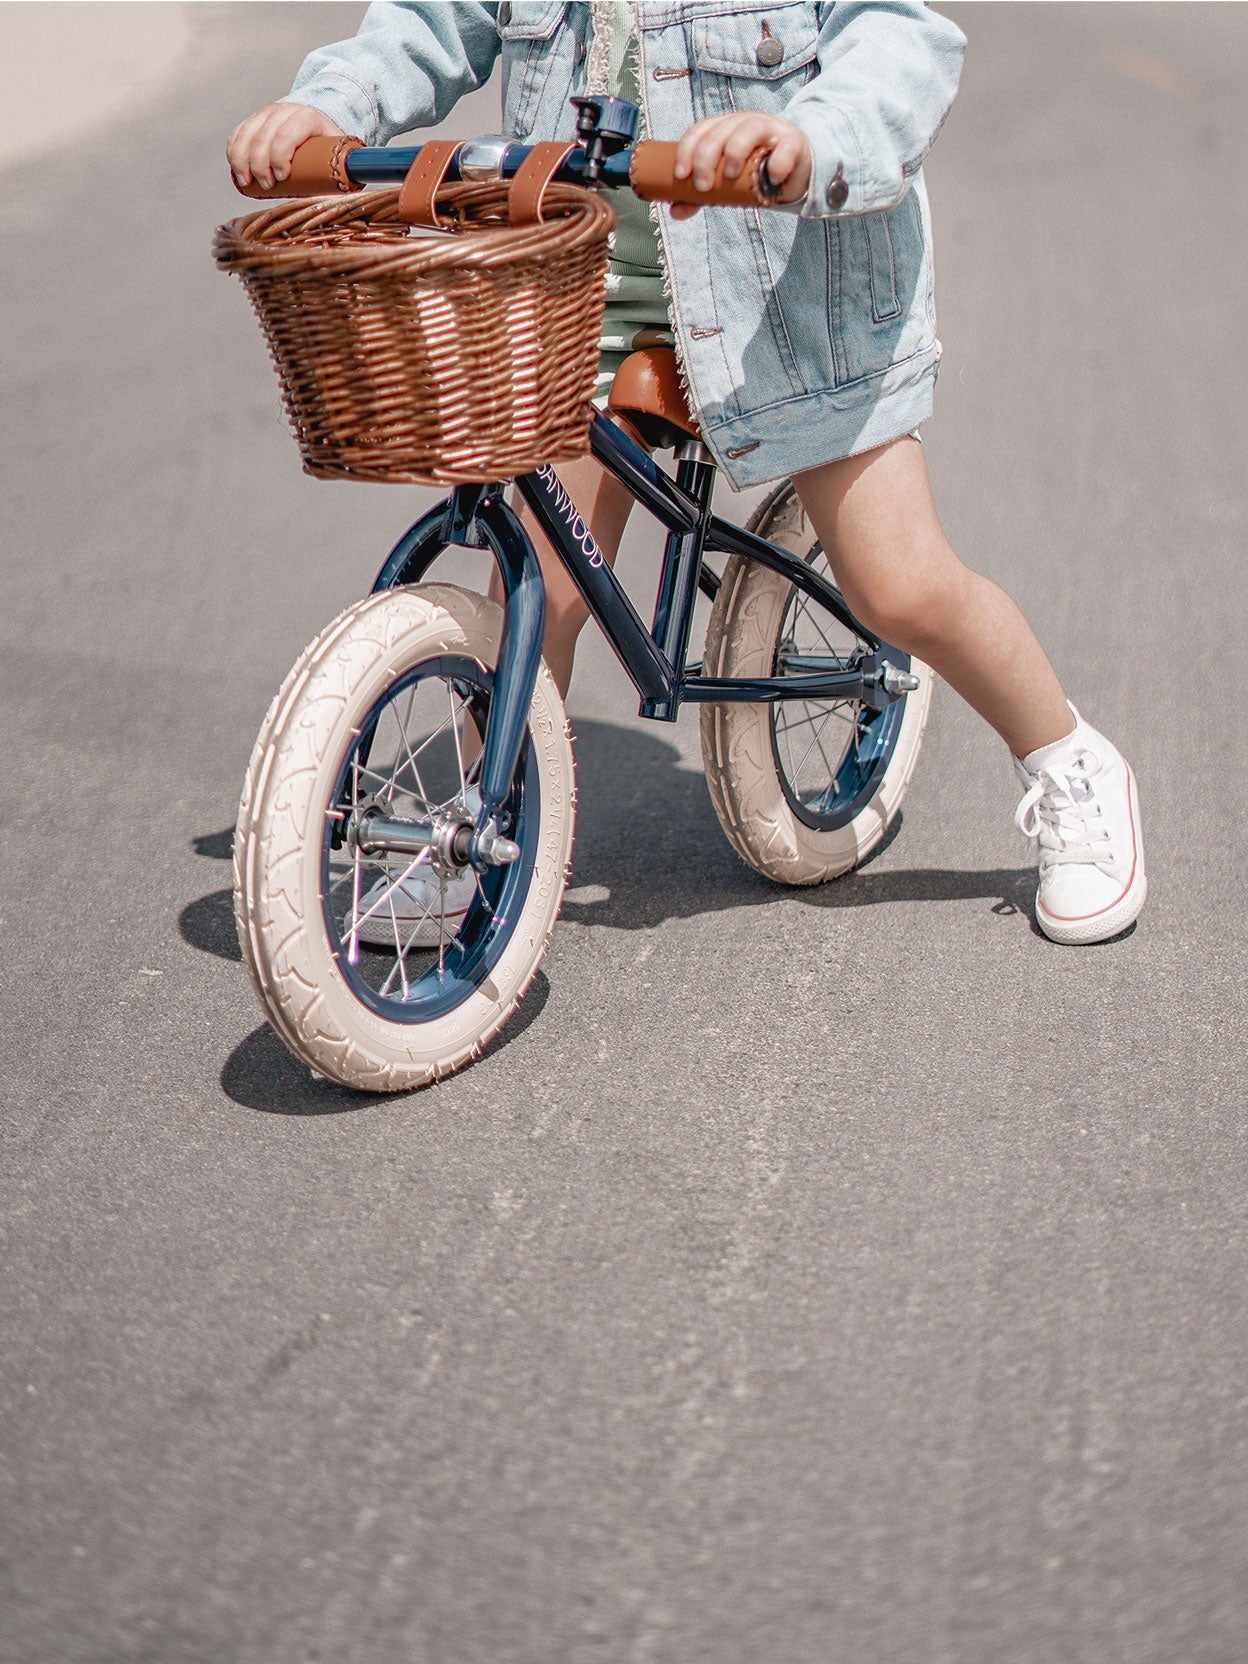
(802,336)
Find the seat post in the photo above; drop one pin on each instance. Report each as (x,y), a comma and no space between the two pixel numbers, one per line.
(678,581)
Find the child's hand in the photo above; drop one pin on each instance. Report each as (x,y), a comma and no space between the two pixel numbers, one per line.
(260,148)
(734,138)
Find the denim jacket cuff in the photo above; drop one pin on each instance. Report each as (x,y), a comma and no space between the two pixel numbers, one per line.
(838,182)
(346,101)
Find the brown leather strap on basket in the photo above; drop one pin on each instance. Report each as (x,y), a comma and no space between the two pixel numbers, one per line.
(650,174)
(417,199)
(317,168)
(528,188)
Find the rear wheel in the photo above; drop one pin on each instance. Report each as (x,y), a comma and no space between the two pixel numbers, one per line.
(804,789)
(386,971)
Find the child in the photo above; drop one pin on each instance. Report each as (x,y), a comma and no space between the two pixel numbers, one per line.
(806,336)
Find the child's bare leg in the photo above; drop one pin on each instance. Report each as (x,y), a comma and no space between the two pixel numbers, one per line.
(875,517)
(877,522)
(604,504)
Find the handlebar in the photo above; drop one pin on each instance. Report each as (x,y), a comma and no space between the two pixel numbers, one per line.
(321,167)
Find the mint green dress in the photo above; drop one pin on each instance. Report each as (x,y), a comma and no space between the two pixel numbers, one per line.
(635,295)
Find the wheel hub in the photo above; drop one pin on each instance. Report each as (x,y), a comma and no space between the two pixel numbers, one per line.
(450,836)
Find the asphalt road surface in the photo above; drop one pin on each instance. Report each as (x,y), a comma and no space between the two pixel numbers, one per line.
(814,1277)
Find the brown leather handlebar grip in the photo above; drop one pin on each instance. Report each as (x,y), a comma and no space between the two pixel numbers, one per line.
(650,174)
(318,168)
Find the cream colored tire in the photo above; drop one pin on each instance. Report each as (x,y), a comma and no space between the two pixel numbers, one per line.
(738,749)
(279,844)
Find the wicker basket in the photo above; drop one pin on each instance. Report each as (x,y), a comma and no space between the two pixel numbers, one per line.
(439,358)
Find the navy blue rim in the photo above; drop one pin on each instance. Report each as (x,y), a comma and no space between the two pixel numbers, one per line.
(488,928)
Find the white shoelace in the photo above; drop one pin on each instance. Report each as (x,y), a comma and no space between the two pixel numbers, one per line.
(1055,810)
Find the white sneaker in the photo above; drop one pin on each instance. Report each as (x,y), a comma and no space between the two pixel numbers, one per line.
(423,914)
(1082,805)
(426,906)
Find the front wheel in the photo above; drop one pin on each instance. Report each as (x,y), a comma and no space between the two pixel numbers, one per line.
(804,789)
(386,971)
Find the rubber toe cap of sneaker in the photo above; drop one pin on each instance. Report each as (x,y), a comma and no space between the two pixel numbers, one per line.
(1079,892)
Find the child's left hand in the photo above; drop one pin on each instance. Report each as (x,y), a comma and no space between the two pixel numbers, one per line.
(734,138)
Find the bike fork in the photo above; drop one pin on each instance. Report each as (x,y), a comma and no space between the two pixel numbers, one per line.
(476,516)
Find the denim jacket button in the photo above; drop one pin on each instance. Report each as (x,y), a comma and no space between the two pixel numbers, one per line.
(579,52)
(837,192)
(769,52)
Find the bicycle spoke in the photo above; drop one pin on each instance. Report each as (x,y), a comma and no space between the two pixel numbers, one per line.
(429,738)
(476,879)
(824,801)
(801,722)
(840,708)
(803,611)
(391,779)
(388,781)
(407,746)
(344,872)
(836,708)
(401,879)
(804,630)
(398,948)
(404,949)
(819,742)
(384,779)
(403,927)
(798,770)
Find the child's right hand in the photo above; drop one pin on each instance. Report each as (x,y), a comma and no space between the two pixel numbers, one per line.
(260,148)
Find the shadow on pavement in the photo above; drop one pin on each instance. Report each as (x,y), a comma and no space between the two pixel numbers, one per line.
(649,845)
(642,905)
(208,924)
(261,1074)
(648,841)
(217,846)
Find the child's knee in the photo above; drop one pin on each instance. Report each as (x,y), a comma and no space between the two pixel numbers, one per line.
(915,605)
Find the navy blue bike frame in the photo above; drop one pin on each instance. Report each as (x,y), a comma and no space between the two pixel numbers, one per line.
(477,516)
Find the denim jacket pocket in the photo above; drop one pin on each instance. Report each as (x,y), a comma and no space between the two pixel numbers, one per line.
(881,268)
(883,259)
(757,57)
(529,19)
